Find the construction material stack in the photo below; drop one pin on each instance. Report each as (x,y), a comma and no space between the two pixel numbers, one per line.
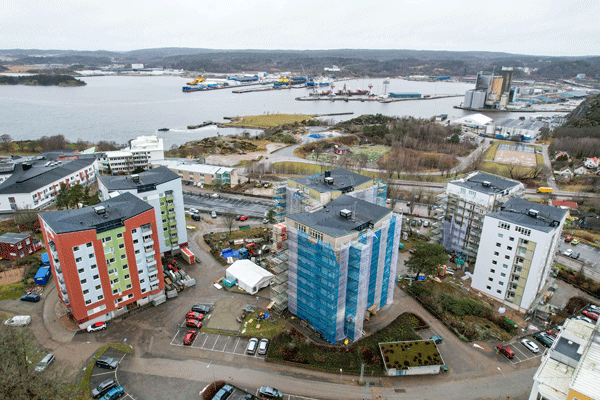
(277,265)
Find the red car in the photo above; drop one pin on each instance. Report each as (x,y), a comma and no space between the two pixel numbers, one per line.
(552,333)
(505,351)
(568,239)
(194,315)
(189,338)
(243,217)
(193,323)
(590,314)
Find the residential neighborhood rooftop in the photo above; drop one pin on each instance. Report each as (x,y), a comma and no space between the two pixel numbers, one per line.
(487,183)
(11,237)
(154,176)
(541,217)
(342,179)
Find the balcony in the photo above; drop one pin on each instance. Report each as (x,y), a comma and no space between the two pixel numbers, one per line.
(150,251)
(146,229)
(154,281)
(152,269)
(148,242)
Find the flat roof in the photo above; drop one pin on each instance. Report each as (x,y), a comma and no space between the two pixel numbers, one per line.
(11,237)
(342,179)
(497,184)
(517,211)
(199,168)
(329,221)
(39,175)
(153,176)
(118,209)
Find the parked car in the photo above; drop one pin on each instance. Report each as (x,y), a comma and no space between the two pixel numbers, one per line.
(270,393)
(545,339)
(529,345)
(552,333)
(30,297)
(413,222)
(590,314)
(594,308)
(196,217)
(18,320)
(103,387)
(426,224)
(249,397)
(98,326)
(42,365)
(575,256)
(114,393)
(237,217)
(243,217)
(107,362)
(223,393)
(263,345)
(193,323)
(420,222)
(265,221)
(194,315)
(189,337)
(215,195)
(201,308)
(568,252)
(507,352)
(575,242)
(437,339)
(584,319)
(568,239)
(252,344)
(213,214)
(193,211)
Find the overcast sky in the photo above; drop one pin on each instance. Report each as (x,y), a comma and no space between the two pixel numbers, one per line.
(541,27)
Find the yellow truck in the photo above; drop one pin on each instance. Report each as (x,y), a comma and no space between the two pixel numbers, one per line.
(544,190)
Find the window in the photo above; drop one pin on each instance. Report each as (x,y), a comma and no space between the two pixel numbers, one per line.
(507,257)
(100,297)
(94,266)
(88,302)
(76,248)
(116,280)
(140,271)
(301,227)
(98,287)
(504,265)
(78,259)
(501,283)
(80,270)
(125,266)
(123,256)
(488,287)
(86,291)
(142,281)
(508,248)
(83,281)
(499,291)
(502,274)
(525,242)
(107,239)
(137,252)
(126,276)
(500,235)
(112,260)
(119,235)
(143,290)
(498,245)
(115,291)
(122,246)
(493,271)
(90,244)
(135,241)
(512,239)
(134,231)
(128,286)
(503,225)
(317,235)
(494,262)
(526,232)
(96,277)
(496,253)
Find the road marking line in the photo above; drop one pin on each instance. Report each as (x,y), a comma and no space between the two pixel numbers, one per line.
(104,373)
(236,345)
(205,339)
(215,342)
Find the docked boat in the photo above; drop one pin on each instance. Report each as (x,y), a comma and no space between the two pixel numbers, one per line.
(187,89)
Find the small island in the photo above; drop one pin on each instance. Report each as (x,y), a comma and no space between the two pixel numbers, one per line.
(41,80)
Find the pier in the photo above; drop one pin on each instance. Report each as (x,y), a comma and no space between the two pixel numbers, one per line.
(202,125)
(378,99)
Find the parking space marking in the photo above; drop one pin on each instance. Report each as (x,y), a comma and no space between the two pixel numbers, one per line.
(205,339)
(236,345)
(103,373)
(221,344)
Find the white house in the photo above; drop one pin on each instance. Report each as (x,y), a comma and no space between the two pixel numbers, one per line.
(142,152)
(202,173)
(250,277)
(520,242)
(591,163)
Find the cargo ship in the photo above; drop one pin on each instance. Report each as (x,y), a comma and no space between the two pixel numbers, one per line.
(358,92)
(187,89)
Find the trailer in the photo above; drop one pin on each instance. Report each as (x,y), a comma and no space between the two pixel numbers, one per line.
(45,259)
(188,256)
(42,275)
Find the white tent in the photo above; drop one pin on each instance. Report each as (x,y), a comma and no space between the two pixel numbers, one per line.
(474,120)
(250,277)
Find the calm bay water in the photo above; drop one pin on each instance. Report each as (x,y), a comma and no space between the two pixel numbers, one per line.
(120,108)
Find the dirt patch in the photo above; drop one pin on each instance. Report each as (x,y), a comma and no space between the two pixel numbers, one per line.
(12,275)
(224,315)
(515,157)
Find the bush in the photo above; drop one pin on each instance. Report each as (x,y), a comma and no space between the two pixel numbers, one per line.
(507,326)
(212,389)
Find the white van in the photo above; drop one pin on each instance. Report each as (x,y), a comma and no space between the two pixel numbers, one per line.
(19,320)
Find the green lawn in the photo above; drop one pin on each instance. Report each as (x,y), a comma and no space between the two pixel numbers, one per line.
(12,291)
(416,353)
(262,329)
(269,120)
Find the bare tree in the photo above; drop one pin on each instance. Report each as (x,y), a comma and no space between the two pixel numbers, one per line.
(230,219)
(6,141)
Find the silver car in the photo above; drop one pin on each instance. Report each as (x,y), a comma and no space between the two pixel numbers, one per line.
(42,365)
(530,345)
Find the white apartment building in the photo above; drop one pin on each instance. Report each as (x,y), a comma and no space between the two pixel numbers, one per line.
(202,174)
(520,242)
(35,184)
(161,188)
(459,219)
(570,369)
(142,152)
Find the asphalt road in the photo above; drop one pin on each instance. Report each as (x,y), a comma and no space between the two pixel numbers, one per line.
(226,205)
(588,254)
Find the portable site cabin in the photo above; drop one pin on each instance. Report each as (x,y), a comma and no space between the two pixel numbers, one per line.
(250,277)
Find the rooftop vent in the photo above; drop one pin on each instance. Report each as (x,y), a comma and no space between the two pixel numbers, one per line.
(329,180)
(135,178)
(327,174)
(99,210)
(345,213)
(533,213)
(486,183)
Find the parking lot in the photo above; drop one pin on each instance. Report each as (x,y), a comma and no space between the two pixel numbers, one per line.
(587,254)
(215,342)
(521,353)
(224,204)
(101,374)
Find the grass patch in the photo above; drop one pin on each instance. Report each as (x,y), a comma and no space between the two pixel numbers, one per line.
(292,346)
(503,169)
(12,291)
(539,159)
(299,168)
(416,353)
(490,153)
(270,120)
(267,329)
(82,389)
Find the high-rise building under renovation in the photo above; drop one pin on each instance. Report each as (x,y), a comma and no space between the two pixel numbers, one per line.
(342,263)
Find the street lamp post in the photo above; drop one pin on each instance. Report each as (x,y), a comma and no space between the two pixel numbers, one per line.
(213,370)
(501,385)
(341,384)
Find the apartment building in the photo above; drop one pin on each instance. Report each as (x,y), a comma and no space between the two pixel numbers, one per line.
(161,188)
(14,246)
(141,153)
(202,174)
(459,218)
(520,242)
(35,184)
(105,259)
(341,264)
(569,369)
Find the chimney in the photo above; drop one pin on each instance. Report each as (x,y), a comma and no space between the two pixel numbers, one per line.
(99,210)
(533,213)
(135,178)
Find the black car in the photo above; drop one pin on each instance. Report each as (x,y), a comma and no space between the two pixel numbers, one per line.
(249,397)
(31,297)
(201,308)
(107,362)
(103,388)
(575,255)
(544,339)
